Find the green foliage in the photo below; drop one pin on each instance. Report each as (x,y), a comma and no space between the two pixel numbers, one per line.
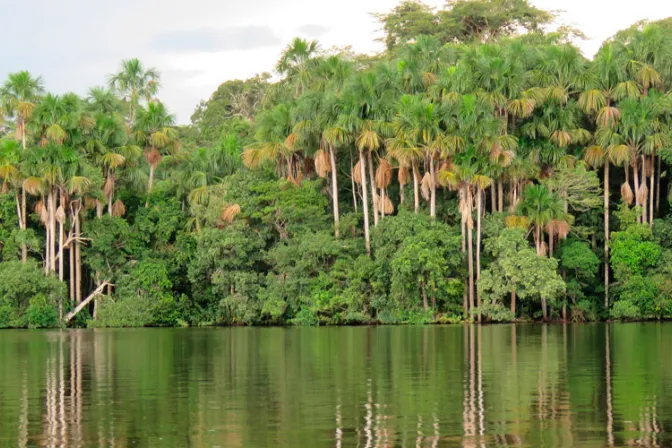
(27,297)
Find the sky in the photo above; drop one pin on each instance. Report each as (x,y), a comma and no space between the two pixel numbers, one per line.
(198,44)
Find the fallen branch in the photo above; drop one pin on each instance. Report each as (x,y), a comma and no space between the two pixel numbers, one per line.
(67,243)
(80,307)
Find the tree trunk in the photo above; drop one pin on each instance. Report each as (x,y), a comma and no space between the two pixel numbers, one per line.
(425,305)
(150,183)
(470,262)
(78,260)
(24,224)
(551,239)
(644,209)
(493,199)
(98,291)
(382,203)
(352,181)
(401,194)
(544,311)
(334,190)
(635,173)
(365,202)
(432,202)
(537,238)
(463,231)
(500,196)
(416,193)
(374,199)
(658,185)
(513,303)
(52,230)
(47,237)
(606,234)
(478,249)
(71,269)
(652,180)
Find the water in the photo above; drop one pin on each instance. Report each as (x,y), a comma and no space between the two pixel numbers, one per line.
(575,385)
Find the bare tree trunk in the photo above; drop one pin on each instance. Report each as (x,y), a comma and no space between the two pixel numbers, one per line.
(334,190)
(493,199)
(500,196)
(47,238)
(644,209)
(544,311)
(606,233)
(382,203)
(365,202)
(432,203)
(635,173)
(24,224)
(150,183)
(52,230)
(463,230)
(513,303)
(374,199)
(478,249)
(551,239)
(470,252)
(652,180)
(352,181)
(425,305)
(71,255)
(98,291)
(416,194)
(78,260)
(401,193)
(658,186)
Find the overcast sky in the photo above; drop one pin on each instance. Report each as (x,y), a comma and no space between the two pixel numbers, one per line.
(197,44)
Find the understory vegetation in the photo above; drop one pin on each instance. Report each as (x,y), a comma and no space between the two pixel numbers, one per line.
(480,169)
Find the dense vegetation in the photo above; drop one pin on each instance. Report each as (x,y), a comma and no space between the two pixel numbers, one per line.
(470,172)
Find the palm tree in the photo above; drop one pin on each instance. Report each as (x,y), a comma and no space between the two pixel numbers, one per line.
(135,83)
(541,208)
(19,94)
(295,63)
(154,129)
(18,97)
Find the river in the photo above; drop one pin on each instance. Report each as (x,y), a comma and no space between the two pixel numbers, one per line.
(502,385)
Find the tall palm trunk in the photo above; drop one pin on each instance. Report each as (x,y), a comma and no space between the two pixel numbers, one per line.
(463,232)
(606,233)
(61,242)
(500,196)
(551,241)
(493,199)
(52,229)
(416,193)
(432,203)
(470,250)
(150,183)
(374,196)
(71,269)
(635,173)
(658,185)
(352,181)
(334,190)
(23,224)
(78,260)
(651,183)
(643,203)
(478,249)
(365,202)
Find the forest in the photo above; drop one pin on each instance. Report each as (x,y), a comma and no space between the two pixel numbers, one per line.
(480,169)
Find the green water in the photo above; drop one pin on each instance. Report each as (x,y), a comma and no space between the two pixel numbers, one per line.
(532,385)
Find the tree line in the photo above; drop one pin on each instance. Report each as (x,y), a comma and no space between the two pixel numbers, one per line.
(486,173)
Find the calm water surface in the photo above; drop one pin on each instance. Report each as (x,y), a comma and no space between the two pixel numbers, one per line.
(575,385)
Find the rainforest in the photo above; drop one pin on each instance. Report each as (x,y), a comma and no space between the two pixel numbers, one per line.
(479,169)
